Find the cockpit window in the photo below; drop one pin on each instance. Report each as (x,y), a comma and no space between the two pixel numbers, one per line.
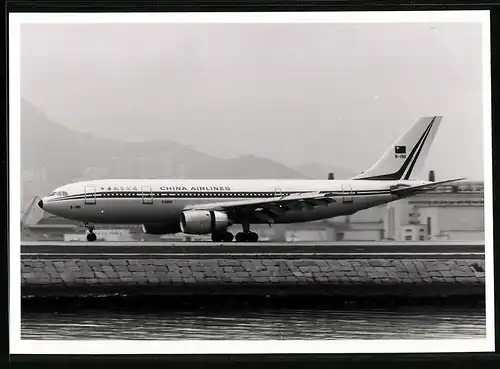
(52,194)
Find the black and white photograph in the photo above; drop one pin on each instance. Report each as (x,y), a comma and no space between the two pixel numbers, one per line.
(250,183)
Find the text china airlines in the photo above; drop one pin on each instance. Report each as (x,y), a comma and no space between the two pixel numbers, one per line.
(172,188)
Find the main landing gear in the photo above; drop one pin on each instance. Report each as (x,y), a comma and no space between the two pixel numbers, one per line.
(91,237)
(222,237)
(245,236)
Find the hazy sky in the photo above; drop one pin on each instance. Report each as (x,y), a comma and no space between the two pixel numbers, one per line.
(337,94)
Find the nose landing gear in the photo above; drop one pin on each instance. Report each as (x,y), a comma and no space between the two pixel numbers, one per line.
(91,237)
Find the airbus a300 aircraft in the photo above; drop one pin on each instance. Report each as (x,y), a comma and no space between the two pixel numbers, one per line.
(167,206)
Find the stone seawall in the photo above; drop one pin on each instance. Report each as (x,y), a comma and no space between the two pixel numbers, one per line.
(361,277)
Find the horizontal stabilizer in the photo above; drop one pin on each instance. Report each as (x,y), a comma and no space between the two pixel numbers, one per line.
(412,190)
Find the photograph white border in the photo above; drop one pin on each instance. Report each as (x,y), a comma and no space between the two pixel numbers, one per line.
(19,346)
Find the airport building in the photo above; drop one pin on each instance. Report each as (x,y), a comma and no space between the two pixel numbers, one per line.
(450,212)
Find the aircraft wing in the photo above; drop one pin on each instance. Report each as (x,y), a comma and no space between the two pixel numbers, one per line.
(268,209)
(412,190)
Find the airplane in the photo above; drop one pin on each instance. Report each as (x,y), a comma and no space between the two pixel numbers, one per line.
(169,206)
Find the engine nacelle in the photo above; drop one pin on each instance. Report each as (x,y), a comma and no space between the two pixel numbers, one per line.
(203,221)
(160,229)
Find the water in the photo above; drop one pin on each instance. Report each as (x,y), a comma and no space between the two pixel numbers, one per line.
(412,322)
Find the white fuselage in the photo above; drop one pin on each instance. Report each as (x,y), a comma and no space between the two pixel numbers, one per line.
(157,201)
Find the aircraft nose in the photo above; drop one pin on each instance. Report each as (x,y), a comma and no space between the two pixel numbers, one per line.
(40,204)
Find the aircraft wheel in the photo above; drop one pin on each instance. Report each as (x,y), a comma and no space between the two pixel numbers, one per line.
(247,237)
(252,237)
(91,237)
(228,237)
(241,237)
(222,237)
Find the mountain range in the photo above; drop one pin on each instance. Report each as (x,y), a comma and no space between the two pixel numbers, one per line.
(53,155)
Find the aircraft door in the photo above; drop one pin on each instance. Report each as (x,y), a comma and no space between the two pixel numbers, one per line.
(90,197)
(277,192)
(147,195)
(347,194)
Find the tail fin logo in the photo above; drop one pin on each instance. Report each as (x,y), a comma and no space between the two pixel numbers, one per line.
(400,152)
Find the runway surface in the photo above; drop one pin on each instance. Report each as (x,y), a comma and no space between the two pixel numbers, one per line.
(283,250)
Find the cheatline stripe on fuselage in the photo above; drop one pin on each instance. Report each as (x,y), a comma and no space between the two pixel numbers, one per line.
(233,194)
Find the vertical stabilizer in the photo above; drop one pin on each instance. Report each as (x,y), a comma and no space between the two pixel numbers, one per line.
(405,158)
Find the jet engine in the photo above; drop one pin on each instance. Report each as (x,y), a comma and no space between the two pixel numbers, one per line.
(203,222)
(160,229)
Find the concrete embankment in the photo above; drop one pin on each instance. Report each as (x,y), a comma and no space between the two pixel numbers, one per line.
(411,275)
